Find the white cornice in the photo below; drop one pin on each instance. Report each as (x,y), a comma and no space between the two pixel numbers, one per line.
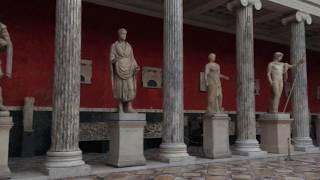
(211,23)
(309,6)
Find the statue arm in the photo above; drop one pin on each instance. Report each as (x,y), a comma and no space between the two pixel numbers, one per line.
(224,77)
(269,73)
(112,56)
(290,66)
(206,72)
(136,66)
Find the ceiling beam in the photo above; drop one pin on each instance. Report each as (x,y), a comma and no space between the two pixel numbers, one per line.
(268,17)
(202,7)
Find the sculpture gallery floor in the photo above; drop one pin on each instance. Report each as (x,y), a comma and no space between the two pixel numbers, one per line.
(303,167)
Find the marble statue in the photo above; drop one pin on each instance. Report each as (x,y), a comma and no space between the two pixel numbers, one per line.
(5,46)
(213,83)
(277,74)
(123,72)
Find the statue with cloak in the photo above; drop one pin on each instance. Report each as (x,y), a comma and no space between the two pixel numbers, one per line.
(123,67)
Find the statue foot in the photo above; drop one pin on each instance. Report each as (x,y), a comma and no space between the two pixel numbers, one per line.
(131,110)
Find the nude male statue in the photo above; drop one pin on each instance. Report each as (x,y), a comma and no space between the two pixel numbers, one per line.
(123,72)
(5,46)
(277,73)
(212,79)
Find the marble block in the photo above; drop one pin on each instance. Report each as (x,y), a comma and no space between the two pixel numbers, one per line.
(5,126)
(126,139)
(275,131)
(216,136)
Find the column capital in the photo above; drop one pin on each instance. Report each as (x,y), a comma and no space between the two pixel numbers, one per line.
(297,17)
(244,3)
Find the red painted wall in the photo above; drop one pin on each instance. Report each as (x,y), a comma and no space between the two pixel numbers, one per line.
(32,31)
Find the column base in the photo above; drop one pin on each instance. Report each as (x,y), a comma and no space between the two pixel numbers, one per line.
(5,126)
(65,164)
(126,139)
(174,153)
(304,144)
(249,148)
(216,136)
(275,132)
(5,172)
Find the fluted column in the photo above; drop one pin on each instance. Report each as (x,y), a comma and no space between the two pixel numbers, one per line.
(300,107)
(246,143)
(173,146)
(64,151)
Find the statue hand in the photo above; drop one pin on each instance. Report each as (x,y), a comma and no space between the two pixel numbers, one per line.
(8,75)
(301,61)
(227,78)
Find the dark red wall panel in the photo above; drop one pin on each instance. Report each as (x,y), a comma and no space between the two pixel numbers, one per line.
(31,25)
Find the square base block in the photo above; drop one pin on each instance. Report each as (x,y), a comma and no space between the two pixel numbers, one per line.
(126,139)
(275,132)
(66,172)
(5,126)
(216,136)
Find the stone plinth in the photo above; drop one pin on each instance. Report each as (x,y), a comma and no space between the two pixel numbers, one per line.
(275,132)
(126,139)
(216,136)
(5,126)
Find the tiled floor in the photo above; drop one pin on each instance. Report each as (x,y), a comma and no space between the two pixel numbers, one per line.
(306,166)
(302,167)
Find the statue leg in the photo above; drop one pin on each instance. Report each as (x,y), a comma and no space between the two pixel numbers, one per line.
(130,108)
(120,107)
(277,95)
(2,107)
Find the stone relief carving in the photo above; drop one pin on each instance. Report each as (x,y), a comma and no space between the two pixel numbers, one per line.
(151,77)
(86,71)
(28,109)
(98,131)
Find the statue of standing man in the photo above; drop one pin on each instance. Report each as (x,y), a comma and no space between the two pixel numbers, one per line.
(212,78)
(277,73)
(5,46)
(123,72)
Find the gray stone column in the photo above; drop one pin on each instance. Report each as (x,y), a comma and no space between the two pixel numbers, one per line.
(173,147)
(246,143)
(300,107)
(64,158)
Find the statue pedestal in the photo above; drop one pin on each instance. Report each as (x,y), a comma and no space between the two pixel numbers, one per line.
(216,136)
(5,126)
(275,131)
(126,139)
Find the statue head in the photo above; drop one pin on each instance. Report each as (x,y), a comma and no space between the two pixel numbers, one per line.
(212,57)
(278,56)
(122,33)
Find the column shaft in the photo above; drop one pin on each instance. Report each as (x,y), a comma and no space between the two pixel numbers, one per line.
(173,107)
(173,72)
(66,93)
(246,124)
(300,106)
